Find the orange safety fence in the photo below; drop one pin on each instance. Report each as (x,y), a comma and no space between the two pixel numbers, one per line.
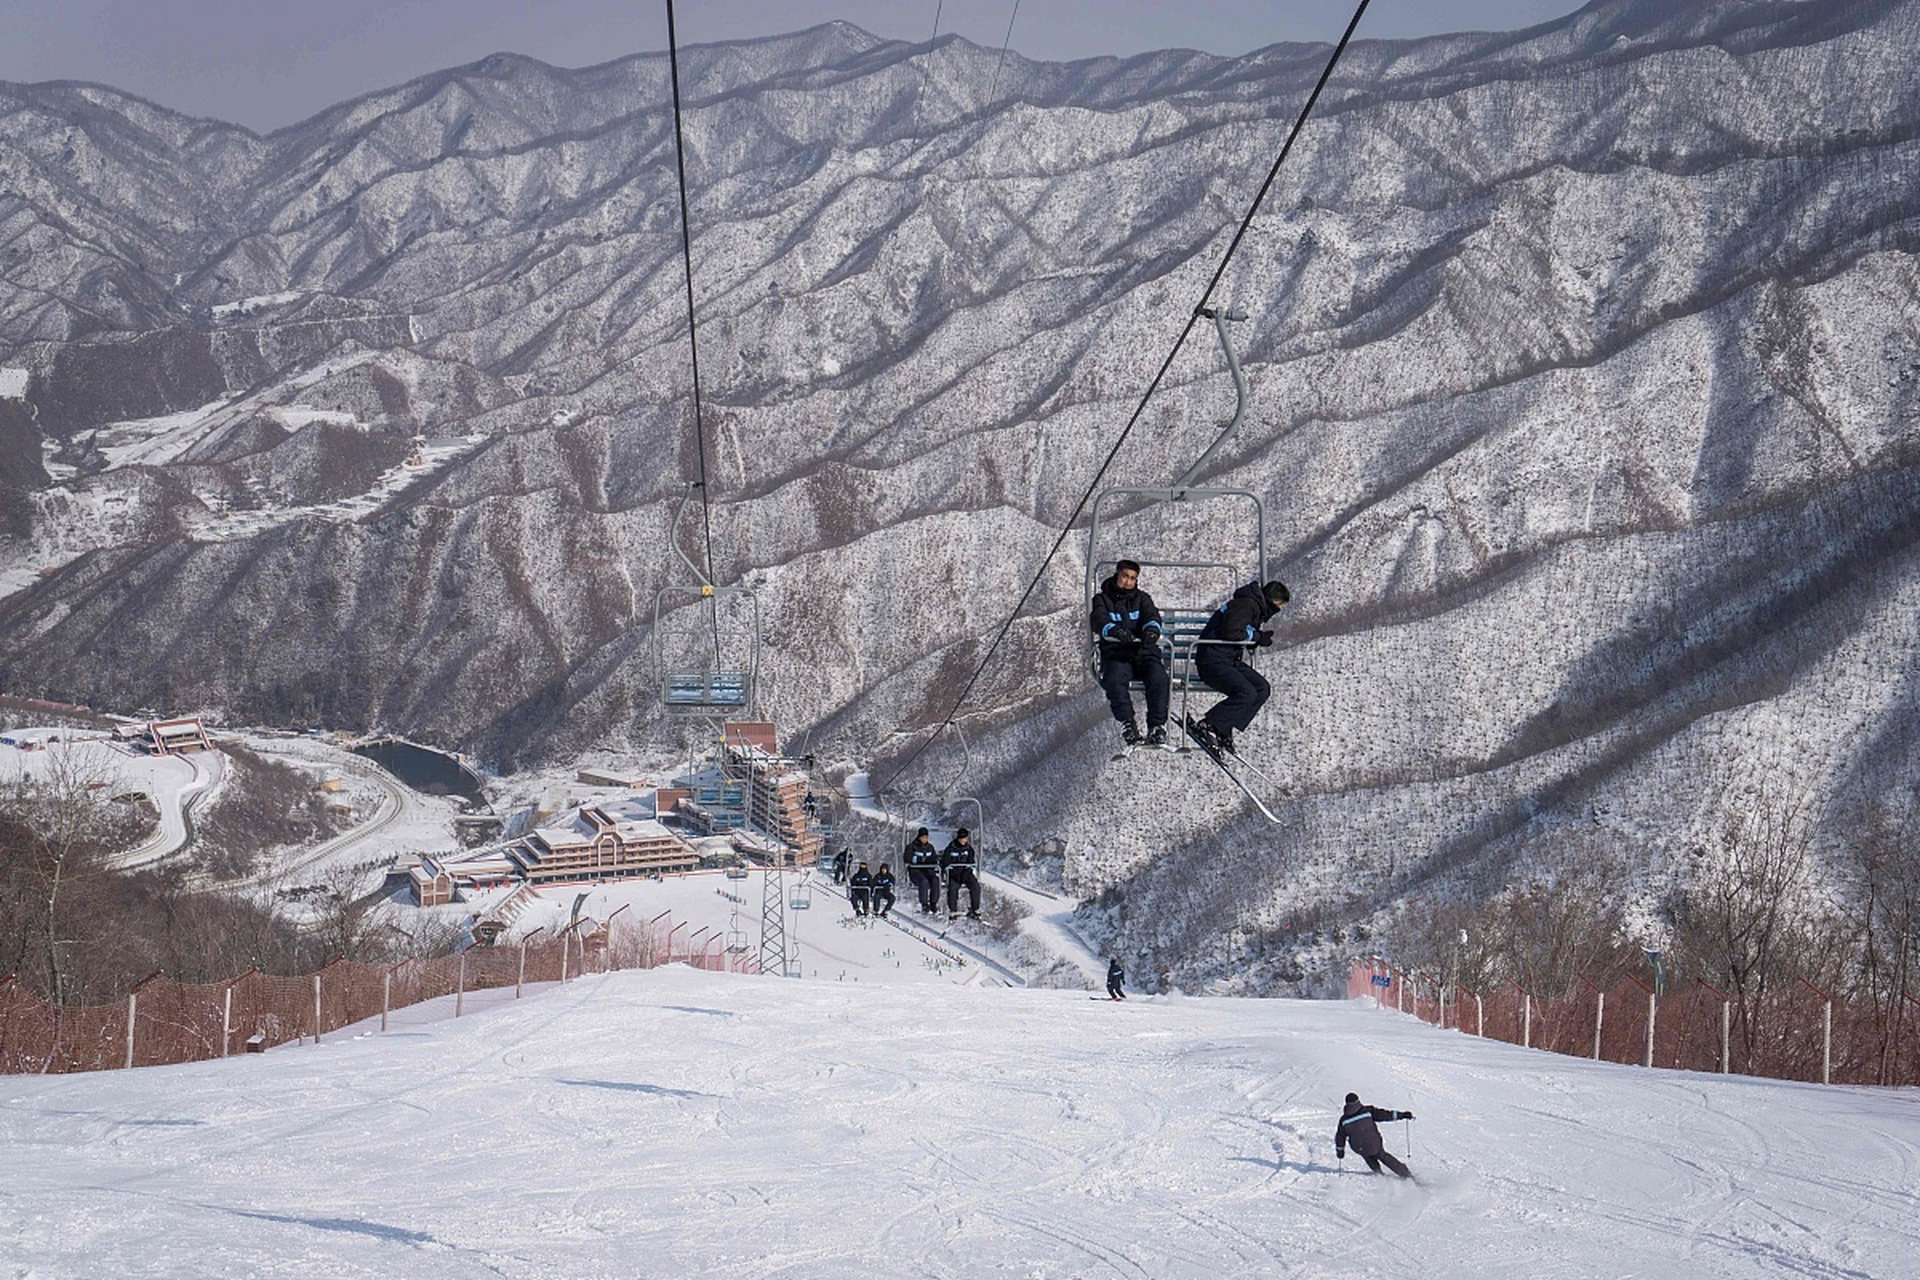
(162,1021)
(1796,1033)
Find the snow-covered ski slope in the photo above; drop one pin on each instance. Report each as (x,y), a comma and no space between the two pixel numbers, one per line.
(676,1123)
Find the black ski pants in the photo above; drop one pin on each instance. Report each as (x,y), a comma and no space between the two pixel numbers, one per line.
(957,876)
(1117,674)
(1246,689)
(1114,991)
(1385,1158)
(859,898)
(926,882)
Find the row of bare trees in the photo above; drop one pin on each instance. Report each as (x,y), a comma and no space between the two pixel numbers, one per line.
(1765,897)
(76,930)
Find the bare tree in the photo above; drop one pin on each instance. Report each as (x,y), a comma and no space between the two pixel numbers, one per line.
(1885,906)
(1746,914)
(64,825)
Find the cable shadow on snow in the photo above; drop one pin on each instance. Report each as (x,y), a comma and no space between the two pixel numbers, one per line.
(623,1086)
(352,1226)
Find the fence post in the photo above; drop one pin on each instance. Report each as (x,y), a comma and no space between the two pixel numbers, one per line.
(1826,1042)
(1653,1009)
(564,946)
(1826,1032)
(1479,1017)
(316,1008)
(386,995)
(1526,1024)
(226,1021)
(460,987)
(1599,1017)
(1726,1035)
(520,982)
(133,1006)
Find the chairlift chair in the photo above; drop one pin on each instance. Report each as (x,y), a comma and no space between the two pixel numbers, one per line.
(1182,623)
(712,687)
(802,898)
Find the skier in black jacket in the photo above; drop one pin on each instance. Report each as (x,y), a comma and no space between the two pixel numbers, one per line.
(923,869)
(860,890)
(1116,980)
(1127,623)
(957,861)
(1357,1129)
(1223,666)
(883,890)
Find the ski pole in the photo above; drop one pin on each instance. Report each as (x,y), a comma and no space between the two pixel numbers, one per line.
(1406,1134)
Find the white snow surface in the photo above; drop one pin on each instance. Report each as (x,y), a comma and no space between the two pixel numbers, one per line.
(687,1124)
(13,384)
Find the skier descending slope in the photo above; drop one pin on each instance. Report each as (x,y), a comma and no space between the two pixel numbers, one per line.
(1357,1128)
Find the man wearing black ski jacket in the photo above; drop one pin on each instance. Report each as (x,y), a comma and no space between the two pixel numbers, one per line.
(923,870)
(1358,1129)
(957,860)
(860,890)
(1231,633)
(1127,625)
(882,900)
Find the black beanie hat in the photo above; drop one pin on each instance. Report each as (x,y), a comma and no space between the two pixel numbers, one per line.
(1277,593)
(1352,1098)
(922,831)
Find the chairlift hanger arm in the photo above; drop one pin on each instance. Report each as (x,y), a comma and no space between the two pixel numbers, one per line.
(1220,316)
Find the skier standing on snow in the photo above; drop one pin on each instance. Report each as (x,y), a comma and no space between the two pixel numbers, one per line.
(1223,666)
(883,890)
(1128,625)
(1116,980)
(1358,1129)
(958,860)
(860,890)
(923,869)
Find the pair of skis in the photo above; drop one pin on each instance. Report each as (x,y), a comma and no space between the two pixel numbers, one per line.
(1220,756)
(1229,763)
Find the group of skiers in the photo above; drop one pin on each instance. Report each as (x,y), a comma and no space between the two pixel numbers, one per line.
(871,892)
(1129,629)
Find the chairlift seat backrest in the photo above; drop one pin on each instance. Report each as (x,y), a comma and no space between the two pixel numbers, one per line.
(705,690)
(1180,628)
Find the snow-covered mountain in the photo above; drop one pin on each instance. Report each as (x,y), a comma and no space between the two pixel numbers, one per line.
(1583,376)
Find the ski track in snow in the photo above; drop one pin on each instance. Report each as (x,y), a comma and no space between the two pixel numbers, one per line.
(678,1123)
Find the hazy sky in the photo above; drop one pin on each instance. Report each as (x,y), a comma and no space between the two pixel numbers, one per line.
(269,64)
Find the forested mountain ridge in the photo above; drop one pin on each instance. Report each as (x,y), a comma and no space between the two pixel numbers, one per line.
(1582,363)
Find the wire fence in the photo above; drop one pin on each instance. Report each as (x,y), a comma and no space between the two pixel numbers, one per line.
(162,1021)
(1796,1033)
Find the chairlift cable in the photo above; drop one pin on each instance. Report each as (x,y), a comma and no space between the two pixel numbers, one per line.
(994,87)
(1107,463)
(926,67)
(693,344)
